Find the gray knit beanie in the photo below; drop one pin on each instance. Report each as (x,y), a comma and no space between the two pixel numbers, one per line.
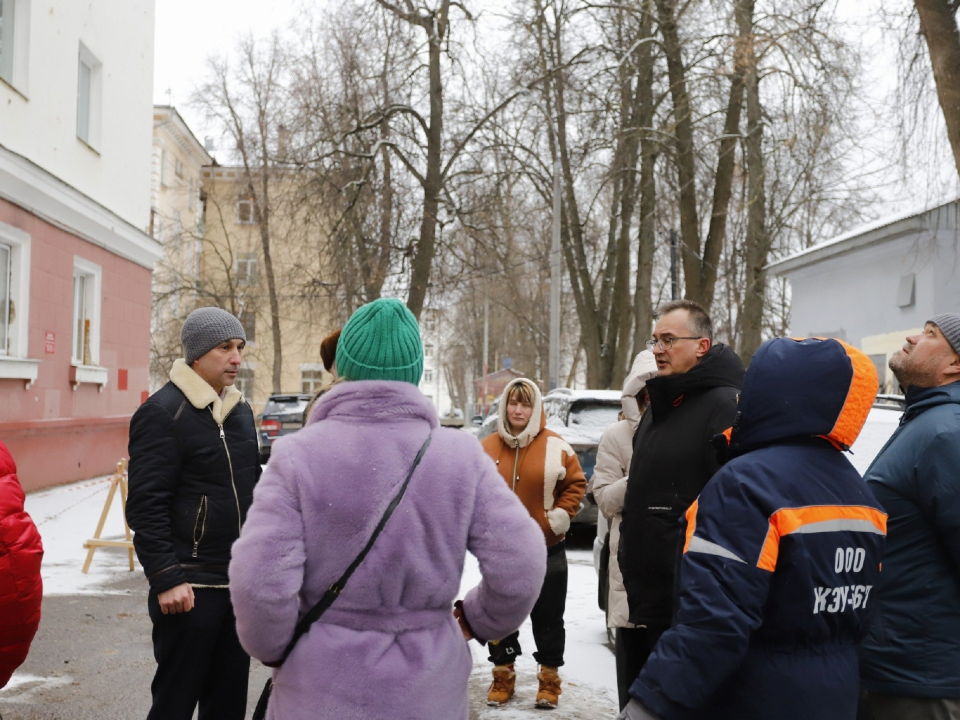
(207,327)
(949,324)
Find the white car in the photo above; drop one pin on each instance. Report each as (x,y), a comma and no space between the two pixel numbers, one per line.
(881,423)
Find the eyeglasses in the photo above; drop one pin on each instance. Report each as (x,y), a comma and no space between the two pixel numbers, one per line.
(667,342)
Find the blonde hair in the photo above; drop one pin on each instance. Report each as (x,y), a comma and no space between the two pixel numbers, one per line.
(521,392)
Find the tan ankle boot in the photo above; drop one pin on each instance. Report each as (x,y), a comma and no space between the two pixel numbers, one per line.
(548,696)
(501,689)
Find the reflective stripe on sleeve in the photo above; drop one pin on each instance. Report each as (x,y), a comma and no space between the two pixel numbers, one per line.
(699,545)
(818,519)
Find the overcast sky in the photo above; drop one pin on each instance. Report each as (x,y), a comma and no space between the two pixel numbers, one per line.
(189,31)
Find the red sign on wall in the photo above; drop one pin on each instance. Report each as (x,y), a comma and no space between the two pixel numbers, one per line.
(122,379)
(50,343)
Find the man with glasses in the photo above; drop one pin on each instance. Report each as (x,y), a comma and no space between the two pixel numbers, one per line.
(693,398)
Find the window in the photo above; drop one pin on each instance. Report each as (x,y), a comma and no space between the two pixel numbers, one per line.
(14,38)
(246,270)
(248,318)
(86,312)
(244,382)
(178,167)
(6,302)
(14,305)
(310,380)
(192,200)
(245,212)
(428,376)
(89,81)
(428,351)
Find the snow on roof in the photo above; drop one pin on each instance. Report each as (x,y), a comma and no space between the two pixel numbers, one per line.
(848,240)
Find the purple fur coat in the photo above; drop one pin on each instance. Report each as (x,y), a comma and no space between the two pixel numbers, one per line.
(389,647)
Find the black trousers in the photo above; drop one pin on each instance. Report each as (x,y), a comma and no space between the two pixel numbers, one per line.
(633,647)
(199,660)
(546,617)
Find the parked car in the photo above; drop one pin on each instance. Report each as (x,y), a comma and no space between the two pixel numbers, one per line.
(283,414)
(881,423)
(488,422)
(580,417)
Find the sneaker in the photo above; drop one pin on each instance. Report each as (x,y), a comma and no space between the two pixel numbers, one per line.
(501,689)
(548,696)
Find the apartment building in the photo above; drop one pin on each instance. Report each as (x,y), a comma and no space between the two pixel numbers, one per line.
(75,251)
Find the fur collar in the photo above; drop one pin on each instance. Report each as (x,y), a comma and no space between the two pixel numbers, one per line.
(533,427)
(200,394)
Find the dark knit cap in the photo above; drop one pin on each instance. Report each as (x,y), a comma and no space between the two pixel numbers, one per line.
(949,324)
(328,350)
(381,341)
(207,327)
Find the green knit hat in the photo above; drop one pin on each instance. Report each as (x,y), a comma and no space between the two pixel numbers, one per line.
(381,341)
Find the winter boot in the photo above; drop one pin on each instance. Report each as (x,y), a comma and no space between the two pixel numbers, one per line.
(501,689)
(548,696)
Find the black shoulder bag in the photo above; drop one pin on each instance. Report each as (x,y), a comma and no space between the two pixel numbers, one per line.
(333,592)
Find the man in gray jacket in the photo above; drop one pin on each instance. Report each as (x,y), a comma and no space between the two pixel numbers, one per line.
(910,661)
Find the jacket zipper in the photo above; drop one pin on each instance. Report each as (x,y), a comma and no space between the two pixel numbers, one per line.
(233,482)
(202,508)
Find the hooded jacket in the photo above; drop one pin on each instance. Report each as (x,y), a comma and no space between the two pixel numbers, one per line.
(389,646)
(193,464)
(672,461)
(539,466)
(21,588)
(914,646)
(610,477)
(781,552)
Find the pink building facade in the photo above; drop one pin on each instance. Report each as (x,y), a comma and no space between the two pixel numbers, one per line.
(69,424)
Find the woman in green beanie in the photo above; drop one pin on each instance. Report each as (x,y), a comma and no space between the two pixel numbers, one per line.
(390,645)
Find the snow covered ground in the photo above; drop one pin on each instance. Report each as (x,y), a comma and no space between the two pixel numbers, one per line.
(67,516)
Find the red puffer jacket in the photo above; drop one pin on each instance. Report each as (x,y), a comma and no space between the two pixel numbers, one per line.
(21,589)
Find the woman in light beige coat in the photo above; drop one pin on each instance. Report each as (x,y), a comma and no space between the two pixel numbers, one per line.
(610,486)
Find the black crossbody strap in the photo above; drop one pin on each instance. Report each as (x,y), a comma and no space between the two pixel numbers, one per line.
(334,590)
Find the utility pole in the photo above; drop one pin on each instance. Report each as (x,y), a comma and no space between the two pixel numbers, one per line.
(674,270)
(486,349)
(554,360)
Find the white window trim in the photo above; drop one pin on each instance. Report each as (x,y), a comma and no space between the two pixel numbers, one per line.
(93,373)
(95,100)
(19,80)
(15,364)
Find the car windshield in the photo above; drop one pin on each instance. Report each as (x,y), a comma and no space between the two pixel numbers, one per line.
(593,415)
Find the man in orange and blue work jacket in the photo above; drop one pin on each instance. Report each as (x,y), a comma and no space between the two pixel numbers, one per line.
(781,555)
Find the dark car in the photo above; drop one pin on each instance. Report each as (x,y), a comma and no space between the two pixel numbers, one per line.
(580,417)
(283,414)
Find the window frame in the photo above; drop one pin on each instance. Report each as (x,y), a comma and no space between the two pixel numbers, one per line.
(93,292)
(251,220)
(19,290)
(18,35)
(316,379)
(86,59)
(249,259)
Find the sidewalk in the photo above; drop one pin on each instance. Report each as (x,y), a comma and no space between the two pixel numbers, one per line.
(94,636)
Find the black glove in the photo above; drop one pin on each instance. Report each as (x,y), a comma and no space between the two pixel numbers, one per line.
(636,710)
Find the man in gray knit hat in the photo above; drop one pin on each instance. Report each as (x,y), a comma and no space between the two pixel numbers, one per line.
(910,661)
(193,465)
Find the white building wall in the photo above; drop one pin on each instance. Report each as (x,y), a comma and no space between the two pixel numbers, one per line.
(39,110)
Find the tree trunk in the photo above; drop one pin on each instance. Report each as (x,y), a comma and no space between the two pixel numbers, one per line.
(427,245)
(723,184)
(938,23)
(758,238)
(684,151)
(643,304)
